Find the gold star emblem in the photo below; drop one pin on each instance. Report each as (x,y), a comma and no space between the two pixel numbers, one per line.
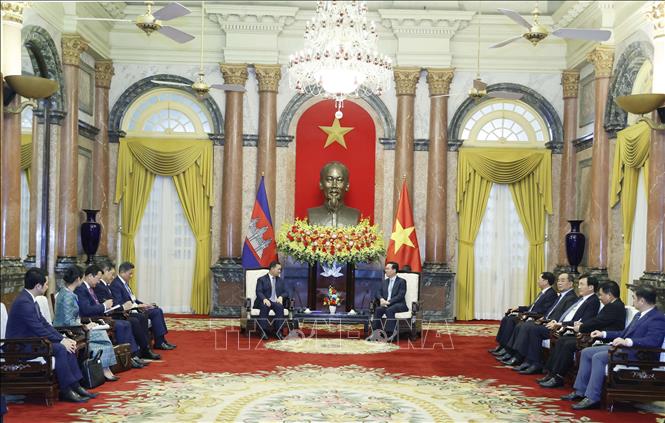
(401,236)
(335,133)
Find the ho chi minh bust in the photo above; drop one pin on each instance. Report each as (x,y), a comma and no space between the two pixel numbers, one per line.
(334,182)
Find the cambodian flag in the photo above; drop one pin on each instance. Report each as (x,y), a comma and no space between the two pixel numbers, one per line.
(260,248)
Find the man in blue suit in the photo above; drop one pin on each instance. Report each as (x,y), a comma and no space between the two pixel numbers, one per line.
(270,295)
(646,331)
(391,299)
(26,321)
(123,293)
(90,306)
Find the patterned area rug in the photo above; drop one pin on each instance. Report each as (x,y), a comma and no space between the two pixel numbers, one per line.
(316,393)
(331,346)
(459,329)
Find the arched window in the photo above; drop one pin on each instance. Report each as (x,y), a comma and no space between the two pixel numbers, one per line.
(166,112)
(504,122)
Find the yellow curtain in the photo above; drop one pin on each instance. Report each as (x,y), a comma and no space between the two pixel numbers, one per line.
(26,154)
(631,155)
(529,175)
(190,165)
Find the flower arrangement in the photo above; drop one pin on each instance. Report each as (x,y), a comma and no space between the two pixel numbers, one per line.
(361,243)
(332,299)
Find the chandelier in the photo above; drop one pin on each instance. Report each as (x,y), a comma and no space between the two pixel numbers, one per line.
(340,57)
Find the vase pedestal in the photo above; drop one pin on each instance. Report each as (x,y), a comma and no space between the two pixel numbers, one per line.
(317,285)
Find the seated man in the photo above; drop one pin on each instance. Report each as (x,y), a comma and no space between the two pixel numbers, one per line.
(611,317)
(543,302)
(138,321)
(391,299)
(90,306)
(123,293)
(645,331)
(270,294)
(26,321)
(585,308)
(564,300)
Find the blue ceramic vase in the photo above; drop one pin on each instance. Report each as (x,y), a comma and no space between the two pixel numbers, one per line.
(575,241)
(91,232)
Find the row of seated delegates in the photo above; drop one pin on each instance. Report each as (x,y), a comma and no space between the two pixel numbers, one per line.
(611,317)
(528,344)
(139,321)
(519,336)
(67,314)
(25,320)
(91,307)
(646,330)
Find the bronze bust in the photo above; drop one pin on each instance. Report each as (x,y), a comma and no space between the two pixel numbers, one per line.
(334,182)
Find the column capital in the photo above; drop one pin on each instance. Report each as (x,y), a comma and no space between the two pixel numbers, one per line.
(104,72)
(602,58)
(268,77)
(72,47)
(657,15)
(234,73)
(406,80)
(439,80)
(12,11)
(570,80)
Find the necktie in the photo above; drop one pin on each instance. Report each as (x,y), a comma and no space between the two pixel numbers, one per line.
(554,306)
(273,293)
(571,308)
(390,288)
(94,297)
(535,301)
(627,331)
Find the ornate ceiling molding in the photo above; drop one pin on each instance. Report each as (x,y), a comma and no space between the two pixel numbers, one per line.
(425,23)
(238,18)
(573,13)
(115,9)
(12,11)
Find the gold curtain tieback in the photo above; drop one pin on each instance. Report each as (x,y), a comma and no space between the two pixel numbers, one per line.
(470,244)
(202,238)
(123,233)
(538,244)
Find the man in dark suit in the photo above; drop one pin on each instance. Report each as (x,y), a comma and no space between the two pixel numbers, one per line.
(391,299)
(585,308)
(138,321)
(26,321)
(564,300)
(611,317)
(91,306)
(646,330)
(543,302)
(270,295)
(122,293)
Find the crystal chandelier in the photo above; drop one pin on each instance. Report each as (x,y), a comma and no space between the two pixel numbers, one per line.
(340,57)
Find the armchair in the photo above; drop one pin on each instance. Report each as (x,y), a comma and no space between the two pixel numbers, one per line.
(249,314)
(410,321)
(26,364)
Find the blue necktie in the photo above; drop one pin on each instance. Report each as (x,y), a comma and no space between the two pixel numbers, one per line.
(554,306)
(390,288)
(626,331)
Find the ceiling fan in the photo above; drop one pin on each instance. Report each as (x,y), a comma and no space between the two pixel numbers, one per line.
(153,21)
(538,32)
(479,88)
(200,87)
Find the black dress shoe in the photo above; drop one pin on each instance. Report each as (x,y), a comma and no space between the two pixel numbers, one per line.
(170,344)
(82,392)
(495,349)
(521,367)
(506,356)
(546,377)
(586,404)
(572,397)
(71,396)
(164,346)
(502,351)
(136,364)
(512,362)
(553,382)
(148,354)
(531,370)
(111,379)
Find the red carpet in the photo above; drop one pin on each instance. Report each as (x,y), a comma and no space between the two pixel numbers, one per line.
(224,351)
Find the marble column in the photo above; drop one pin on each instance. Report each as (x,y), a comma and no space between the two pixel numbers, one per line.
(602,58)
(228,278)
(406,80)
(654,273)
(570,80)
(69,219)
(437,280)
(266,160)
(11,268)
(100,154)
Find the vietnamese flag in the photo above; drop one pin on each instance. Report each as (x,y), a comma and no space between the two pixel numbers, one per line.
(403,247)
